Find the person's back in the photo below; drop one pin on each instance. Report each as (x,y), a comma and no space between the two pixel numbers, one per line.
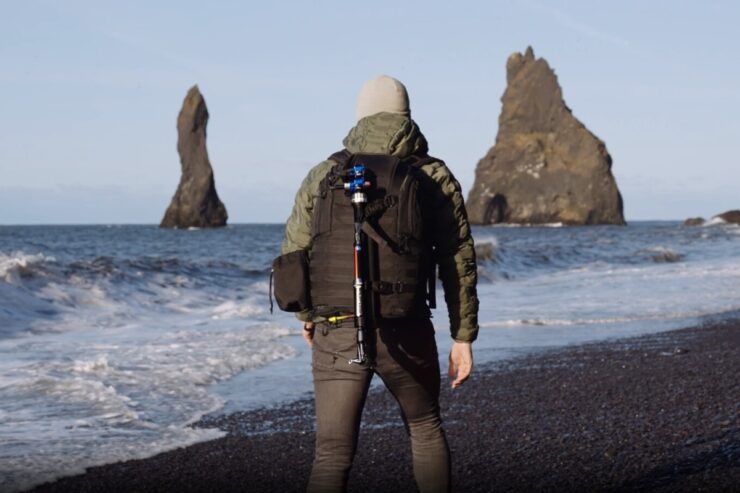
(404,349)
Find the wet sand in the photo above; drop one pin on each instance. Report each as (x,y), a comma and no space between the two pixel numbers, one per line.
(654,413)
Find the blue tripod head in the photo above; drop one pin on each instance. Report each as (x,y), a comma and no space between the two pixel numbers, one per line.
(356,179)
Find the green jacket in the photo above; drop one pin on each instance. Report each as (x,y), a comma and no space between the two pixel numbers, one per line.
(386,133)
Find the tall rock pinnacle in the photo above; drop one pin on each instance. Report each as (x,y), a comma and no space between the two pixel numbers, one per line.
(196,203)
(546,166)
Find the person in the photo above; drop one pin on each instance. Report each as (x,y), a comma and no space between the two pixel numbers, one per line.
(404,350)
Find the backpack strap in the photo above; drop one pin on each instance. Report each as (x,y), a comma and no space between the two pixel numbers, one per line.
(342,158)
(383,287)
(419,160)
(381,238)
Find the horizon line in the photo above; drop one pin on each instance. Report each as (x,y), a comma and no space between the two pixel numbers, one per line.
(258,223)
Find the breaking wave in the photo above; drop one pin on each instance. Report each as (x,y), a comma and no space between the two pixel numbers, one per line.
(18,265)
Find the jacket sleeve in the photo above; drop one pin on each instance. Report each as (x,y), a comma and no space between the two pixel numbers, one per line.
(298,227)
(454,252)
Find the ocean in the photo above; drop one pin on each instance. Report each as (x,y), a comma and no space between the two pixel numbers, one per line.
(114,339)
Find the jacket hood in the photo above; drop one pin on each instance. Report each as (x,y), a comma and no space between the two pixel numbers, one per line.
(386,133)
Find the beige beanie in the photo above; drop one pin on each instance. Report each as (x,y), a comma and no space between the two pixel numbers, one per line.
(382,93)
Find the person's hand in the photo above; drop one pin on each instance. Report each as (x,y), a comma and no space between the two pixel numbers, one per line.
(308,330)
(461,362)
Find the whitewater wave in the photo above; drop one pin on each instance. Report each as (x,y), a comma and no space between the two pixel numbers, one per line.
(18,265)
(545,322)
(486,249)
(144,396)
(660,254)
(714,221)
(528,225)
(231,309)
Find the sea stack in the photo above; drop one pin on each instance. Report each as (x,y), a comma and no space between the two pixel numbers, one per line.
(195,203)
(546,166)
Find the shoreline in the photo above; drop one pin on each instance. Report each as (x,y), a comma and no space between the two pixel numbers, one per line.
(656,412)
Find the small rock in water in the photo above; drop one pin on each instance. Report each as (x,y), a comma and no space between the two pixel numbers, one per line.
(694,221)
(732,217)
(667,256)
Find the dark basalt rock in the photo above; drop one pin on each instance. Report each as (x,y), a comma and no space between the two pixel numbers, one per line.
(196,203)
(732,216)
(694,221)
(546,166)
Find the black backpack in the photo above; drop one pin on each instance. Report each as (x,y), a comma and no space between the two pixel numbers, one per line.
(401,268)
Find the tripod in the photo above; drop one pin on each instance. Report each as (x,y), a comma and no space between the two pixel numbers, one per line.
(355,185)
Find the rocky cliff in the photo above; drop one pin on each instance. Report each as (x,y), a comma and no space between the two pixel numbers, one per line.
(196,203)
(546,166)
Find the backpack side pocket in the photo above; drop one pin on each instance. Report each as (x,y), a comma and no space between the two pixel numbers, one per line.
(291,283)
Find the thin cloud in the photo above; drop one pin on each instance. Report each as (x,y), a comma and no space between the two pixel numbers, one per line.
(568,22)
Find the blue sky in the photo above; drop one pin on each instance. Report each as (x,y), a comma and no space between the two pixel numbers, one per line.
(91,91)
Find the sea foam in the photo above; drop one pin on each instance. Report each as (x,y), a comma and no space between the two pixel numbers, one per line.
(143,395)
(16,265)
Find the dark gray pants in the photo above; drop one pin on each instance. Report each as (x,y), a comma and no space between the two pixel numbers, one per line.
(407,362)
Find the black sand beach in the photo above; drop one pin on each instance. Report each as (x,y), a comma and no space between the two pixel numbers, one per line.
(654,413)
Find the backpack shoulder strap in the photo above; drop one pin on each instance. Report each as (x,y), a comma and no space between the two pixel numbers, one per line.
(416,161)
(419,160)
(342,158)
